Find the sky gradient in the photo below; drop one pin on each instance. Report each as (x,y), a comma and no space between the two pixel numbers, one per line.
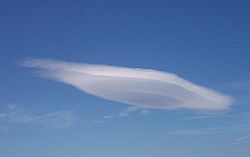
(204,43)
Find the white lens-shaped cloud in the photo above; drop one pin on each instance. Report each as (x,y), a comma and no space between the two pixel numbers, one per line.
(135,86)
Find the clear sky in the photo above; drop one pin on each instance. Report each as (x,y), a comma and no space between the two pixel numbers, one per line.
(206,42)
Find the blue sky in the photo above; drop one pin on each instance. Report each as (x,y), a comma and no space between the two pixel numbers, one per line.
(204,42)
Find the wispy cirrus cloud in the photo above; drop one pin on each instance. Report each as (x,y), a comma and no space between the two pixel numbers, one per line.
(242,127)
(213,130)
(145,88)
(216,116)
(14,115)
(129,110)
(124,113)
(242,138)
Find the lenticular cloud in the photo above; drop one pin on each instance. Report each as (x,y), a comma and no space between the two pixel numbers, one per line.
(135,86)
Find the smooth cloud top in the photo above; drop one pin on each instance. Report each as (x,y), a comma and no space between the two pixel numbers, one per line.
(135,86)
